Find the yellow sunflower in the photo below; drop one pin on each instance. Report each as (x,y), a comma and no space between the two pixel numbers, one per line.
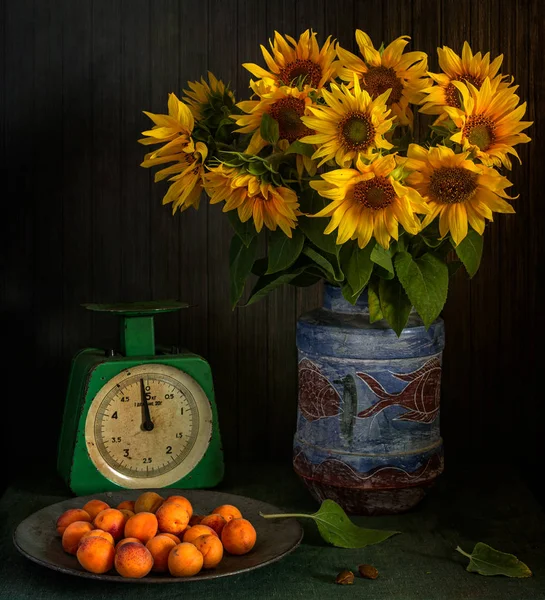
(368,201)
(252,198)
(293,59)
(286,105)
(352,125)
(174,130)
(404,74)
(470,68)
(489,124)
(456,189)
(200,93)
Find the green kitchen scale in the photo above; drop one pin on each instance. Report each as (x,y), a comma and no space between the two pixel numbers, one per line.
(143,417)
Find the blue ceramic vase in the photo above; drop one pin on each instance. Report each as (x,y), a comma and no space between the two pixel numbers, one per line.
(368,412)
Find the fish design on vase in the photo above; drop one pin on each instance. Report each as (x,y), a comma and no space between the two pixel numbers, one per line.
(318,399)
(420,396)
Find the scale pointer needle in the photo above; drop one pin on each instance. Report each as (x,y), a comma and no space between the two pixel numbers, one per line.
(147,423)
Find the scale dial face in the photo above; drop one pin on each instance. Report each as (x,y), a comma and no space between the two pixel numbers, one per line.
(148,426)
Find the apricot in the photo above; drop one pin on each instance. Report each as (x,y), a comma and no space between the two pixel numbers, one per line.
(194,532)
(112,521)
(96,554)
(133,560)
(211,549)
(93,507)
(195,520)
(173,537)
(238,536)
(148,502)
(126,513)
(228,512)
(126,505)
(98,533)
(160,547)
(184,560)
(183,501)
(172,518)
(71,516)
(72,535)
(216,522)
(126,541)
(142,526)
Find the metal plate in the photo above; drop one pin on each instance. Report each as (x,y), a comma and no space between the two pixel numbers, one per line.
(37,539)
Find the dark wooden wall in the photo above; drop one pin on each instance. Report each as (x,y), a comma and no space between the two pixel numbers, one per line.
(83,222)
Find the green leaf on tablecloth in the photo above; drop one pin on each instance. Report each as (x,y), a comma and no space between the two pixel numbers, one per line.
(485,560)
(337,529)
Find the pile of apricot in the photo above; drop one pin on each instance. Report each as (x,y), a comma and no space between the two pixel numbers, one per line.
(154,535)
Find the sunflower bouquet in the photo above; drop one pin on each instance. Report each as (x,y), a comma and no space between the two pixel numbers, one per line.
(322,161)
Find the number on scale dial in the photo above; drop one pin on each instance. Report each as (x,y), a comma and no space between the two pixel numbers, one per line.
(148,426)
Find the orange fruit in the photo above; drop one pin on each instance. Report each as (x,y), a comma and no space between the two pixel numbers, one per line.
(211,549)
(95,554)
(238,536)
(133,560)
(184,560)
(142,526)
(71,516)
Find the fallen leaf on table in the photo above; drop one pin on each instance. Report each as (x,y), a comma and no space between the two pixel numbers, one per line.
(337,529)
(485,560)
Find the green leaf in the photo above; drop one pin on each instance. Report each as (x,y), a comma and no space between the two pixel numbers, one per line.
(375,313)
(453,267)
(245,231)
(383,258)
(356,265)
(267,283)
(241,259)
(485,560)
(298,147)
(284,251)
(307,278)
(430,235)
(269,129)
(426,282)
(394,304)
(349,294)
(337,529)
(327,264)
(470,251)
(314,230)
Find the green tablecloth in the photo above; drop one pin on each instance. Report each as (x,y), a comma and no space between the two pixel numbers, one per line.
(466,506)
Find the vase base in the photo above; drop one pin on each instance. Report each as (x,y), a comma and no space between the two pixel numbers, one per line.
(368,502)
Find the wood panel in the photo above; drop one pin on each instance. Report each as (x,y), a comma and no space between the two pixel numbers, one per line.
(222,321)
(86,223)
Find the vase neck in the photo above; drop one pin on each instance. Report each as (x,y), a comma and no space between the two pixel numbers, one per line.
(335,301)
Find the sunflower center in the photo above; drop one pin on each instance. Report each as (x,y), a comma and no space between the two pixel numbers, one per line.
(356,131)
(288,112)
(452,185)
(308,69)
(452,95)
(375,193)
(479,130)
(379,79)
